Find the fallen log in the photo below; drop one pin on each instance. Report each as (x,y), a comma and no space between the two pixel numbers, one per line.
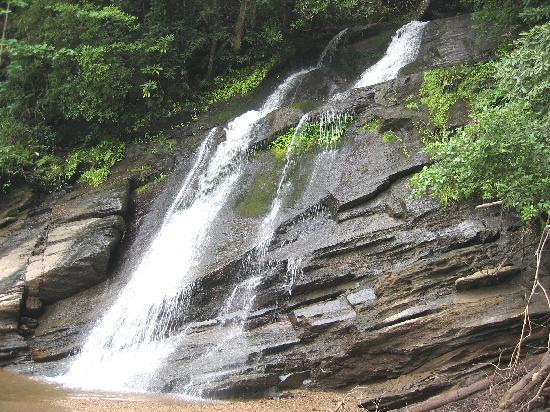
(454,395)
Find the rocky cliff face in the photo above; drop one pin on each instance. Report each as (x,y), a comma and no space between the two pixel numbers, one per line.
(58,248)
(366,284)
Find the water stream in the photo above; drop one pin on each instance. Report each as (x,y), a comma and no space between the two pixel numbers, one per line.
(128,345)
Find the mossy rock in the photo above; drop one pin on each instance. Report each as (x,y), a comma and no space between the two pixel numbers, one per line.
(257,199)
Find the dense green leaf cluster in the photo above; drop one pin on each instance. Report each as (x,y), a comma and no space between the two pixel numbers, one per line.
(77,72)
(504,152)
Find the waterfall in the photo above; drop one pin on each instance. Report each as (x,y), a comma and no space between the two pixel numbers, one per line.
(327,54)
(129,343)
(402,50)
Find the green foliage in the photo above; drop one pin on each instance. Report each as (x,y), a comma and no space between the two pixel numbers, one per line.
(318,12)
(509,15)
(324,133)
(95,162)
(443,88)
(373,125)
(161,177)
(504,153)
(412,104)
(239,83)
(389,137)
(280,145)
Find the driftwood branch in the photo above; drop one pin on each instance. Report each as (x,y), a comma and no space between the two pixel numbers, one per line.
(485,205)
(540,375)
(455,394)
(531,379)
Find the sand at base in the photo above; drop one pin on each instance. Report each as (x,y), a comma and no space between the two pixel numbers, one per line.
(22,394)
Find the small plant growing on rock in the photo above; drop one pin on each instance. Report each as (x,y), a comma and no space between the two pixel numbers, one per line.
(390,137)
(373,125)
(324,133)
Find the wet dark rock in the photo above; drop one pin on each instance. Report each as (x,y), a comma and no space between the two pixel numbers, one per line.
(16,202)
(451,41)
(30,322)
(323,314)
(275,124)
(293,380)
(33,306)
(96,203)
(13,347)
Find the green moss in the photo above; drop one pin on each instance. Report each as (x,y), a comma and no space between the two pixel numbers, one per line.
(324,133)
(303,105)
(389,137)
(259,196)
(373,125)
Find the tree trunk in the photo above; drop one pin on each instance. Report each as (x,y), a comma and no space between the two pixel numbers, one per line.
(211,58)
(5,25)
(239,26)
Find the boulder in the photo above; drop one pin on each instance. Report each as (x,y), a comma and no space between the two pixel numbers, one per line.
(450,41)
(75,257)
(12,347)
(12,284)
(99,202)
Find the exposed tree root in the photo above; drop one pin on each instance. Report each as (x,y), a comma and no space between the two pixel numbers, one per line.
(526,384)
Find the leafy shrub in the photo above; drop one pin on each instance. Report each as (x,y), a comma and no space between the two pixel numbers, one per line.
(94,162)
(443,88)
(504,153)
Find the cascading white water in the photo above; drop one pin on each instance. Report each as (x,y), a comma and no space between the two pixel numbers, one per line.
(327,54)
(128,345)
(294,269)
(402,50)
